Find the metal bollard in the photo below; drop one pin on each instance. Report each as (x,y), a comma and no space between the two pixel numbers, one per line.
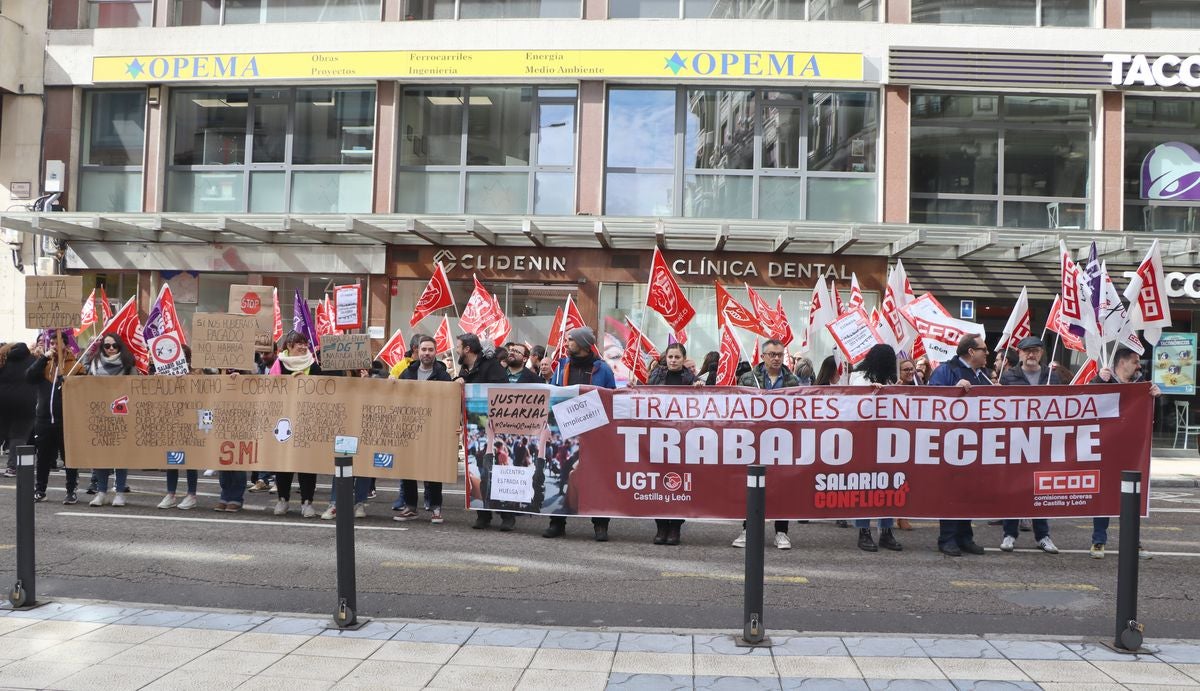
(346,616)
(24,592)
(1128,630)
(753,631)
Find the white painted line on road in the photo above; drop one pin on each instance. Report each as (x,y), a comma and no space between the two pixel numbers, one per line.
(450,567)
(310,524)
(790,580)
(1022,586)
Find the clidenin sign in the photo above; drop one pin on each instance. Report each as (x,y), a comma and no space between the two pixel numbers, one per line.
(408,65)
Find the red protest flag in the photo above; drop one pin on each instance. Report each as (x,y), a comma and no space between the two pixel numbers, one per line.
(436,296)
(635,351)
(555,336)
(729,311)
(731,355)
(1055,323)
(838,305)
(571,320)
(498,328)
(1018,325)
(640,340)
(393,351)
(756,354)
(105,309)
(856,295)
(128,325)
(773,320)
(1089,371)
(87,314)
(277,329)
(325,319)
(477,312)
(786,335)
(442,337)
(663,295)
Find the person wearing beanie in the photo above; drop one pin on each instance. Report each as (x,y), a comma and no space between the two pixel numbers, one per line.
(581,366)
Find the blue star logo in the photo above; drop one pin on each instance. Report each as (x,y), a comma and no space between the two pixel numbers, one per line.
(134,68)
(675,63)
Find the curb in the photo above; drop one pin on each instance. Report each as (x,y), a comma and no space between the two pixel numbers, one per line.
(1174,482)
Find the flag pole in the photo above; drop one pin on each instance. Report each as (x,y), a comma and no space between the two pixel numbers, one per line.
(1051,364)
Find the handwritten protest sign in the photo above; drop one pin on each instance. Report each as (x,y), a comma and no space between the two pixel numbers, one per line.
(257,302)
(854,334)
(581,414)
(345,352)
(518,409)
(166,353)
(512,483)
(52,302)
(223,341)
(266,423)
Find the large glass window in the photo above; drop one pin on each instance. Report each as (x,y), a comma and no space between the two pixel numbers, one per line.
(1004,12)
(742,153)
(110,164)
(492,9)
(836,10)
(1161,14)
(200,12)
(116,14)
(1001,160)
(1162,164)
(487,150)
(307,150)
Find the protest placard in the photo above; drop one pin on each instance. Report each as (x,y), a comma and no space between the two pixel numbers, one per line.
(223,341)
(347,301)
(52,302)
(257,302)
(512,483)
(854,334)
(345,352)
(265,423)
(518,409)
(166,354)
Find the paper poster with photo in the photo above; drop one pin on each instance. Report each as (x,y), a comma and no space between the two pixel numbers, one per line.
(854,334)
(1174,364)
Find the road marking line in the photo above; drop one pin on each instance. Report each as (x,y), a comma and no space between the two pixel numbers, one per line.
(7,546)
(1144,527)
(450,567)
(308,524)
(1022,586)
(790,580)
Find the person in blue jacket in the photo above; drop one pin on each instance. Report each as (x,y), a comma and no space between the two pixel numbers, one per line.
(968,368)
(581,366)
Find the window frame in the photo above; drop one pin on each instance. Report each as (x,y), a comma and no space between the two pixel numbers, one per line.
(1000,127)
(1039,19)
(86,137)
(177,10)
(682,14)
(464,170)
(681,169)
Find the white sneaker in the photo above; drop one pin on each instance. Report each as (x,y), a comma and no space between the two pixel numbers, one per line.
(281,507)
(1097,551)
(168,502)
(781,541)
(360,510)
(1008,544)
(1144,554)
(209,473)
(329,515)
(98,500)
(1047,545)
(189,502)
(118,499)
(740,540)
(307,510)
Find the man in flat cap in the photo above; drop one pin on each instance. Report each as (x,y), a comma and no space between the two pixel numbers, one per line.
(581,366)
(1029,372)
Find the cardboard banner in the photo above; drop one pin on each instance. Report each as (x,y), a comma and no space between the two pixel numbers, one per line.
(831,452)
(223,341)
(52,302)
(402,429)
(345,352)
(257,302)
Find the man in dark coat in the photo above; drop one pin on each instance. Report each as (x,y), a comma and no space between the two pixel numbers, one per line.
(480,366)
(424,367)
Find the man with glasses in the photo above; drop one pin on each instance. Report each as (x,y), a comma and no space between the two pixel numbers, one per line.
(967,369)
(770,374)
(517,372)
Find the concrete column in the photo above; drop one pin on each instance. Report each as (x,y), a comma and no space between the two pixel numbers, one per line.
(386,113)
(895,154)
(393,10)
(595,9)
(61,142)
(898,11)
(589,173)
(1112,152)
(1114,14)
(377,298)
(154,152)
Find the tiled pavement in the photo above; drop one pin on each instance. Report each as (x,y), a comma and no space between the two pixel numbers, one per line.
(87,645)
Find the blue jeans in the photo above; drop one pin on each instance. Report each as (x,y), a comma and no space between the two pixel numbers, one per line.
(1100,530)
(233,486)
(884,523)
(1041,528)
(173,481)
(362,488)
(957,532)
(103,475)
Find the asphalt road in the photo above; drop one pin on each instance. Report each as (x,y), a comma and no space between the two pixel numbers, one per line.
(254,560)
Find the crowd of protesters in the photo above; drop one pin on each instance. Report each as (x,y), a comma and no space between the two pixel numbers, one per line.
(31,410)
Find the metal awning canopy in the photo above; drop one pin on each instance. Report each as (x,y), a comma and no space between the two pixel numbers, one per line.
(955,243)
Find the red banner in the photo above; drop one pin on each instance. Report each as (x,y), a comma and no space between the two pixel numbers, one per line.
(830,452)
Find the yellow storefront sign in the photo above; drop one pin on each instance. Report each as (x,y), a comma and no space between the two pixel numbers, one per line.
(469,64)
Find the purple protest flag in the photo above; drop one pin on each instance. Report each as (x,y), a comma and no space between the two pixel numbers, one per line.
(46,339)
(302,320)
(1094,281)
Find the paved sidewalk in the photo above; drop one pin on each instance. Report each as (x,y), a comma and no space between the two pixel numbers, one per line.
(1174,468)
(74,644)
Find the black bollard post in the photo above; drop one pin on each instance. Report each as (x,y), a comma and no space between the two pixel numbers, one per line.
(24,591)
(1128,630)
(346,616)
(753,631)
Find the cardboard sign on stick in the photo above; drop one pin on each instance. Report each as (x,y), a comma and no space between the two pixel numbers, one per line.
(223,341)
(345,351)
(257,302)
(854,334)
(52,302)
